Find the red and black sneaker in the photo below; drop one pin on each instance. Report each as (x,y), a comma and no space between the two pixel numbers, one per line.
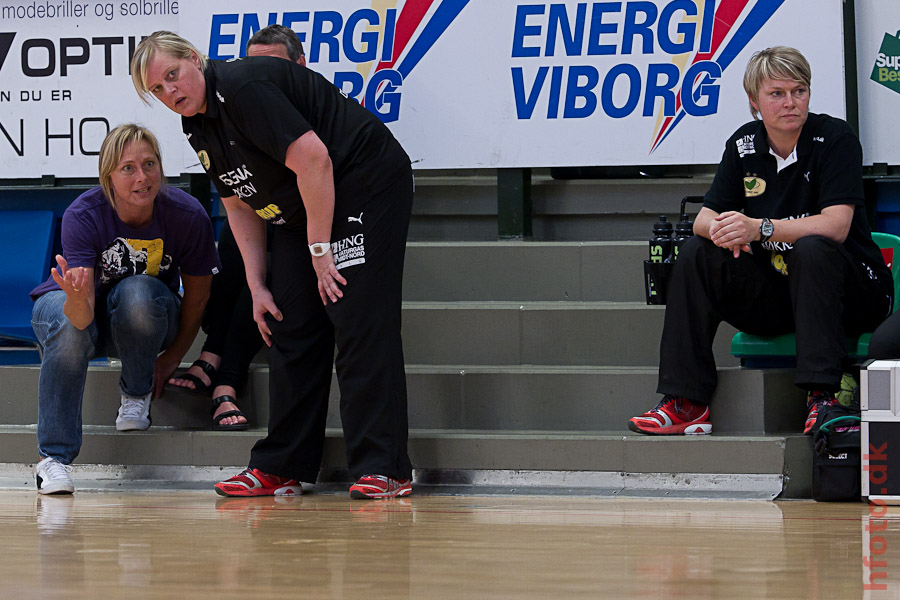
(673,416)
(815,400)
(253,482)
(370,487)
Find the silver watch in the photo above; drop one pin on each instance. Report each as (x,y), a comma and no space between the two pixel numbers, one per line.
(766,229)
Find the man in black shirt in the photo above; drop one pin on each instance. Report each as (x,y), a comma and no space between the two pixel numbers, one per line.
(278,41)
(284,146)
(782,244)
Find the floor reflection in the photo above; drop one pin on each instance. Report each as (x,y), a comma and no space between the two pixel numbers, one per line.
(164,544)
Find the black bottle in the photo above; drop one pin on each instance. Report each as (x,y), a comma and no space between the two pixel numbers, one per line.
(684,229)
(661,242)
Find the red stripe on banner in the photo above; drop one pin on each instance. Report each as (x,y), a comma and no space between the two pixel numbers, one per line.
(409,20)
(726,16)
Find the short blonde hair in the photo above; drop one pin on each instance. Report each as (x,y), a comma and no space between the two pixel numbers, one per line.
(165,42)
(113,147)
(777,62)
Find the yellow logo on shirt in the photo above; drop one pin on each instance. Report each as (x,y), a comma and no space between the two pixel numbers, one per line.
(754,186)
(204,159)
(151,251)
(269,212)
(779,263)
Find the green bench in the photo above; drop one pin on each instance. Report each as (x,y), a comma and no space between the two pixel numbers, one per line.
(762,352)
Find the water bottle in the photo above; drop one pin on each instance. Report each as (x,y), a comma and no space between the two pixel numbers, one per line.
(661,242)
(684,230)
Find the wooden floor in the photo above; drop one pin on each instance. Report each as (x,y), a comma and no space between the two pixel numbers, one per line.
(196,545)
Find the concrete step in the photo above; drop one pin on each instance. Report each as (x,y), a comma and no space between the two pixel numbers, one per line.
(783,460)
(525,271)
(533,333)
(540,333)
(462,205)
(618,334)
(466,397)
(529,303)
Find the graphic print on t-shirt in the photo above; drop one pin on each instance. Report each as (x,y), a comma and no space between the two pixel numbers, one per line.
(127,257)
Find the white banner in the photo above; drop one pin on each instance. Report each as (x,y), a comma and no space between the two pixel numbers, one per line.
(878,73)
(461,83)
(64,83)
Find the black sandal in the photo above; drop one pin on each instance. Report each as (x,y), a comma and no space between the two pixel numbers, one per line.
(200,388)
(217,421)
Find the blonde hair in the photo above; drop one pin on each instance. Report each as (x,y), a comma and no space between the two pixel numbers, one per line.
(165,42)
(113,147)
(777,62)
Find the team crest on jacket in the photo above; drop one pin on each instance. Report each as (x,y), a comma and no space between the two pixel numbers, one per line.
(204,159)
(754,186)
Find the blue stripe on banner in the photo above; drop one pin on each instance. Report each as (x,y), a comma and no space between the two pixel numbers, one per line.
(440,21)
(675,122)
(709,16)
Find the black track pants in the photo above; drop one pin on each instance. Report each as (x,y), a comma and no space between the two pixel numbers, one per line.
(826,295)
(365,326)
(228,321)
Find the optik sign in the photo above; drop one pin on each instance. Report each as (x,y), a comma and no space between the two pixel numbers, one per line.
(624,59)
(383,42)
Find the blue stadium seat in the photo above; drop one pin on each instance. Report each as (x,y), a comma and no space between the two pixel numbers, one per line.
(26,242)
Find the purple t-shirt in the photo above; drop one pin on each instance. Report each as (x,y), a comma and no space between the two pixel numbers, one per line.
(178,240)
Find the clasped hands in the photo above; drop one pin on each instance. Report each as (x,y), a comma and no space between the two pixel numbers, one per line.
(734,231)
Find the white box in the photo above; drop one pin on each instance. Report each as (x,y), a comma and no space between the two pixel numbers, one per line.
(880,431)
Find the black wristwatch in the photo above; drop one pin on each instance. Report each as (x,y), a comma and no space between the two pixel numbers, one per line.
(766,229)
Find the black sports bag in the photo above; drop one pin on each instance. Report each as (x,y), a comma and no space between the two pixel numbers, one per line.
(836,455)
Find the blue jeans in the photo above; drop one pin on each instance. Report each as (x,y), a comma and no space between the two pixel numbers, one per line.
(138,320)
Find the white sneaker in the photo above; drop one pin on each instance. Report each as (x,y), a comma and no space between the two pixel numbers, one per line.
(134,414)
(52,477)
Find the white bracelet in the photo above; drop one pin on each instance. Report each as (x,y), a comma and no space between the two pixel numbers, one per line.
(319,249)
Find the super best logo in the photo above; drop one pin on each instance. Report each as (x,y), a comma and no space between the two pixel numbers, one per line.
(385,43)
(887,63)
(696,40)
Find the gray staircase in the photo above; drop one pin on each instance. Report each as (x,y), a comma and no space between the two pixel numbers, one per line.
(462,205)
(524,362)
